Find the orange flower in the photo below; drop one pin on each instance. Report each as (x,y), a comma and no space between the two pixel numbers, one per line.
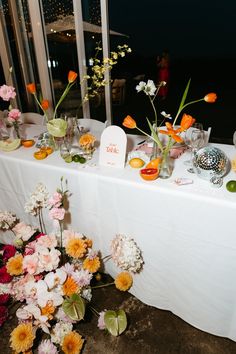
(92,265)
(123,281)
(87,139)
(172,132)
(89,242)
(129,122)
(210,97)
(76,248)
(15,265)
(22,337)
(45,104)
(72,343)
(48,310)
(72,76)
(186,122)
(31,88)
(70,287)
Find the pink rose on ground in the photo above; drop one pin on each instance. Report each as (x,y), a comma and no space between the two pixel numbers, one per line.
(14,115)
(3,314)
(49,241)
(7,92)
(55,200)
(8,252)
(30,264)
(4,276)
(57,213)
(4,298)
(30,248)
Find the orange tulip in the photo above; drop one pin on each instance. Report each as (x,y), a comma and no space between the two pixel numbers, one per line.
(210,98)
(171,132)
(31,88)
(72,76)
(129,122)
(45,104)
(186,122)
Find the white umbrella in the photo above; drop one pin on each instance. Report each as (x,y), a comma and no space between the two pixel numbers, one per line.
(67,23)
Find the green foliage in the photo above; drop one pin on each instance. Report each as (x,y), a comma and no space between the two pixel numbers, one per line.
(116,322)
(74,307)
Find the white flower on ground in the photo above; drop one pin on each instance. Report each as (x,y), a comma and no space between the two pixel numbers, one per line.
(23,231)
(33,312)
(126,254)
(47,347)
(48,258)
(43,295)
(55,279)
(59,331)
(87,294)
(82,277)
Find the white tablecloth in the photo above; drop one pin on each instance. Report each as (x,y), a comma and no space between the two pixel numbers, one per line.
(186,233)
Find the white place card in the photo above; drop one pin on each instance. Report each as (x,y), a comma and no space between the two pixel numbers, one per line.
(113,147)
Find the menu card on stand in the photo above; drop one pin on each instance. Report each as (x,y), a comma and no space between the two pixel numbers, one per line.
(113,147)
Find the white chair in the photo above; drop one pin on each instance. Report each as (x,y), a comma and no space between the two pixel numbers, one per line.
(92,125)
(32,118)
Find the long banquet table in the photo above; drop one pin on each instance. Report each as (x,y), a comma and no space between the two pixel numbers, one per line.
(187,234)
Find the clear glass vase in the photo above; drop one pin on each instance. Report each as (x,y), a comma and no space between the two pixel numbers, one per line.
(166,166)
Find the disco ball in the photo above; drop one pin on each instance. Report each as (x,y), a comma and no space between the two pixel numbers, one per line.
(210,163)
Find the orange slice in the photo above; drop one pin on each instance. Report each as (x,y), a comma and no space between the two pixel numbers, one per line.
(40,155)
(149,174)
(47,149)
(154,163)
(27,143)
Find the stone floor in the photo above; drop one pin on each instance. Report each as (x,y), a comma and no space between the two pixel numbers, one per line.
(149,331)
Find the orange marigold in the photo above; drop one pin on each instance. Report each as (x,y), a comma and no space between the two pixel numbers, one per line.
(210,97)
(89,242)
(87,139)
(22,337)
(31,88)
(129,122)
(15,265)
(70,287)
(123,281)
(92,265)
(48,310)
(76,248)
(45,104)
(72,343)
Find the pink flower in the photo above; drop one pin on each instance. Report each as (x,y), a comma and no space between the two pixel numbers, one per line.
(4,298)
(7,92)
(101,323)
(23,231)
(8,252)
(55,200)
(46,347)
(30,263)
(4,276)
(30,248)
(3,314)
(57,213)
(48,241)
(14,115)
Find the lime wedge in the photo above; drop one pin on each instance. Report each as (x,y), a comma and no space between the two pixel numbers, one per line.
(68,159)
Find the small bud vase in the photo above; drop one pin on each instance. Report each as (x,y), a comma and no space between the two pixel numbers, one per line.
(166,166)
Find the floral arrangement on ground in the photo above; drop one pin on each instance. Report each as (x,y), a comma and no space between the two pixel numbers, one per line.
(48,278)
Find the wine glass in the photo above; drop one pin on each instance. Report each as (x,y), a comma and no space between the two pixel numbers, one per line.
(234,139)
(187,138)
(195,142)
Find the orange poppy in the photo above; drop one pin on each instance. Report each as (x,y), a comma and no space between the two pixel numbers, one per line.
(129,122)
(186,122)
(31,88)
(45,104)
(72,76)
(210,97)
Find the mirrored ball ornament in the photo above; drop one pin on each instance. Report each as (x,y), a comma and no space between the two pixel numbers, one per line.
(210,163)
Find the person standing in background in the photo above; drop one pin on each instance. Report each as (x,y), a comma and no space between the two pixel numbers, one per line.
(163,65)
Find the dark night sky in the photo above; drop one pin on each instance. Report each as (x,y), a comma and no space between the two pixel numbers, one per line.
(187,28)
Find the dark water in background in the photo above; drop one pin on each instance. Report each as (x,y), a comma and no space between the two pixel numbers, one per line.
(207,75)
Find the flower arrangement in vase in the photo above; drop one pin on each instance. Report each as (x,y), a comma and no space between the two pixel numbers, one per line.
(173,132)
(48,278)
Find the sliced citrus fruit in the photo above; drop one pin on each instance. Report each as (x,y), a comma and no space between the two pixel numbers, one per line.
(47,149)
(27,143)
(136,162)
(68,159)
(40,155)
(154,163)
(149,174)
(76,158)
(231,186)
(9,144)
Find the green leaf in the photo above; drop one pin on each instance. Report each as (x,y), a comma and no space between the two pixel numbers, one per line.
(154,135)
(74,307)
(184,95)
(116,322)
(57,127)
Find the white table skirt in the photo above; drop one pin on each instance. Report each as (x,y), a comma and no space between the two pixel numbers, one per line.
(186,233)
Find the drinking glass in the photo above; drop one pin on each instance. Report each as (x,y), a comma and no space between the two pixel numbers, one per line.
(187,138)
(195,141)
